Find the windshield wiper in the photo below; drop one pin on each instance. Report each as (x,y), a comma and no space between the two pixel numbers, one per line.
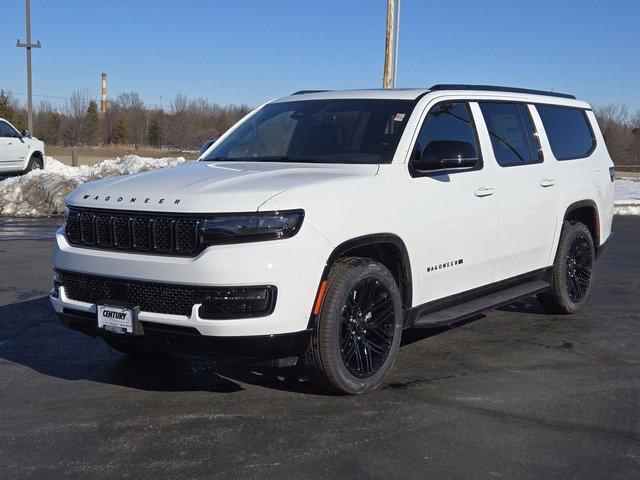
(274,158)
(290,158)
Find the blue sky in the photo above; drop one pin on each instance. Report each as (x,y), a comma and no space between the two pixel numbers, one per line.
(248,51)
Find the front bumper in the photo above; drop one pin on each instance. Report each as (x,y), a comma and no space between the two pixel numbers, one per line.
(189,340)
(294,266)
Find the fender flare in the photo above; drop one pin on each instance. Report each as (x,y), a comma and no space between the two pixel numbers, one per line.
(590,204)
(371,240)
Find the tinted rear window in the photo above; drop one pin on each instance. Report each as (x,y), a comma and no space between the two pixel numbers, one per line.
(568,131)
(513,135)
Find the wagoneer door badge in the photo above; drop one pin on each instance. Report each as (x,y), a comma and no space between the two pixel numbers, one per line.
(440,266)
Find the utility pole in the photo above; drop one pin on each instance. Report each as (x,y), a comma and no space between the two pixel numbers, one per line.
(396,41)
(29,46)
(390,73)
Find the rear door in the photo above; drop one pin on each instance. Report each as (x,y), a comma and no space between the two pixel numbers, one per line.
(528,196)
(457,210)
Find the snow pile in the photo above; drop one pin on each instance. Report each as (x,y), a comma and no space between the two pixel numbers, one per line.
(627,196)
(42,193)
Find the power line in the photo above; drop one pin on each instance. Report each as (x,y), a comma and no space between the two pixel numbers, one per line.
(38,95)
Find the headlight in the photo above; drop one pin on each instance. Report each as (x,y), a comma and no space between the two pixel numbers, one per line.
(251,227)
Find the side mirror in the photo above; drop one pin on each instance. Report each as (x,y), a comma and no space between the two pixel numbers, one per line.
(446,155)
(205,146)
(25,134)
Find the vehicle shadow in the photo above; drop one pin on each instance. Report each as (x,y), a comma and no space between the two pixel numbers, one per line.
(524,305)
(413,335)
(31,335)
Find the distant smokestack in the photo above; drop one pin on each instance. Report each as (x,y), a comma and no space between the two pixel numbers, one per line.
(104,103)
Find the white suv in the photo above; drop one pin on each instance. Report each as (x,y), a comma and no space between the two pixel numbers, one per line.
(19,152)
(324,223)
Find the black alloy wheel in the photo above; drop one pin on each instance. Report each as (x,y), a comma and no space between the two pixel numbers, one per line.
(571,276)
(579,268)
(357,333)
(367,328)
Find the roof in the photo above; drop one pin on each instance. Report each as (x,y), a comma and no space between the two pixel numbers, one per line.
(382,93)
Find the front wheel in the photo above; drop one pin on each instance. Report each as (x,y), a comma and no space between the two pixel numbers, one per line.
(572,274)
(357,333)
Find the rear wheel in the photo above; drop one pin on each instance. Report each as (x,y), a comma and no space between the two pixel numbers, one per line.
(357,333)
(35,163)
(572,274)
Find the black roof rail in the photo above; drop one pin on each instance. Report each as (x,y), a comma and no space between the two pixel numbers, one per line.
(302,92)
(493,88)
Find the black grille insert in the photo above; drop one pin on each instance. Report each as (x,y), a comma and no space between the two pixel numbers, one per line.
(113,230)
(88,228)
(103,230)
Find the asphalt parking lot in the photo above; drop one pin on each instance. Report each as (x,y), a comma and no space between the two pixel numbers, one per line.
(513,394)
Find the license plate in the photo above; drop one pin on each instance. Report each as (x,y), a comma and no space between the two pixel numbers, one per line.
(115,319)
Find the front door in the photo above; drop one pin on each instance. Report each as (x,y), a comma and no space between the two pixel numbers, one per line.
(14,148)
(528,199)
(457,210)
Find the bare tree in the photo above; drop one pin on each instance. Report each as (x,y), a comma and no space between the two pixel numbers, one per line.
(49,123)
(75,111)
(186,125)
(134,116)
(616,129)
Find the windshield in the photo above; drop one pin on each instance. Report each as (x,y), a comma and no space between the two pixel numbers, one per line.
(323,131)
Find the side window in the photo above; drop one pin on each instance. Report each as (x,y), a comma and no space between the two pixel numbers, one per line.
(7,130)
(568,131)
(447,121)
(513,136)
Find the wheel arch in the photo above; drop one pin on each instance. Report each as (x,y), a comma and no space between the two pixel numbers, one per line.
(388,249)
(586,212)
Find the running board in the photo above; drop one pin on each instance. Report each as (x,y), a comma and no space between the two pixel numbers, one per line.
(464,310)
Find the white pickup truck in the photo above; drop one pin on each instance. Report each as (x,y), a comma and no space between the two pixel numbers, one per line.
(19,152)
(324,223)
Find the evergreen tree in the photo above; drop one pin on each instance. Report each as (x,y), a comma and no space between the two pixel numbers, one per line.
(6,108)
(121,131)
(154,133)
(92,123)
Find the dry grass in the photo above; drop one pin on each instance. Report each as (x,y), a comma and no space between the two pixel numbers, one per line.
(93,155)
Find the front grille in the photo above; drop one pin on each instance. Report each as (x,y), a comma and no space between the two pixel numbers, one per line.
(150,297)
(217,302)
(137,232)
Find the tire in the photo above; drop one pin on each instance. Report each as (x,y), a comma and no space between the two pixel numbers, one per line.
(357,333)
(572,273)
(35,163)
(130,349)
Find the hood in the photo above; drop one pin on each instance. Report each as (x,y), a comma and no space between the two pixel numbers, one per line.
(201,187)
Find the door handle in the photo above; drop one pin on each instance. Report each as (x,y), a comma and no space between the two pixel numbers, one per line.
(484,191)
(547,182)
(9,143)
